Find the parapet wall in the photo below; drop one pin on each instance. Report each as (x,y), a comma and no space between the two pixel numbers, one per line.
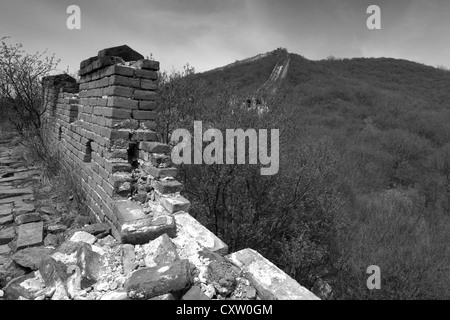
(104,127)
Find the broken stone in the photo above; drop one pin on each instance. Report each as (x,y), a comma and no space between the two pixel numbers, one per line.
(147,283)
(270,282)
(31,257)
(147,229)
(13,290)
(82,236)
(195,293)
(7,235)
(115,296)
(128,258)
(27,218)
(90,262)
(57,228)
(100,230)
(6,209)
(52,271)
(23,208)
(164,297)
(9,270)
(160,251)
(222,275)
(51,240)
(124,52)
(30,234)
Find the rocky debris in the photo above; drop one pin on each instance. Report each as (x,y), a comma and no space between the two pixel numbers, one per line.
(90,263)
(99,230)
(147,283)
(31,257)
(82,236)
(30,234)
(322,289)
(9,270)
(128,258)
(7,235)
(195,293)
(56,228)
(222,275)
(160,251)
(270,282)
(51,240)
(23,208)
(114,295)
(13,290)
(53,272)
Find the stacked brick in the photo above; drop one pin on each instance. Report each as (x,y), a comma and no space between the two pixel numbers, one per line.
(106,134)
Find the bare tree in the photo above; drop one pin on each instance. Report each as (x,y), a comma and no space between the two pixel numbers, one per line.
(20,84)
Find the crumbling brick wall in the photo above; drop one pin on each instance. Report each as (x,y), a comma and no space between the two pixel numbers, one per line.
(105,132)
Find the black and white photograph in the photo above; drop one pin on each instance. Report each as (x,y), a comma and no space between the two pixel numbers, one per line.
(224,154)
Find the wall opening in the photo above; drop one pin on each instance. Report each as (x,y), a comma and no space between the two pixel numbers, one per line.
(88,156)
(133,154)
(59,133)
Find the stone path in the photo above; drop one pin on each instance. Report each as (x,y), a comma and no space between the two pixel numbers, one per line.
(16,201)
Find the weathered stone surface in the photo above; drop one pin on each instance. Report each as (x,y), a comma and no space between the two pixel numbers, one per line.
(52,271)
(174,204)
(51,240)
(27,218)
(191,233)
(222,275)
(9,270)
(81,236)
(5,249)
(115,296)
(14,290)
(90,263)
(100,230)
(23,208)
(147,229)
(147,283)
(270,282)
(6,209)
(30,234)
(195,293)
(161,251)
(164,297)
(6,220)
(128,258)
(56,228)
(7,235)
(9,192)
(124,52)
(31,257)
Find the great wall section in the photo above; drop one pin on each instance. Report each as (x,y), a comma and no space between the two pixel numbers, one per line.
(145,245)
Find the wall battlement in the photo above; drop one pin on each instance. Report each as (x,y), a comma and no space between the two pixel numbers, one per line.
(104,127)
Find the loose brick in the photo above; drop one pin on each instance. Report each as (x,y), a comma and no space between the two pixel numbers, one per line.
(144,135)
(147,105)
(154,147)
(145,95)
(146,74)
(147,65)
(144,115)
(119,102)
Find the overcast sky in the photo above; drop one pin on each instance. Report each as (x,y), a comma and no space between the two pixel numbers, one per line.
(213,33)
